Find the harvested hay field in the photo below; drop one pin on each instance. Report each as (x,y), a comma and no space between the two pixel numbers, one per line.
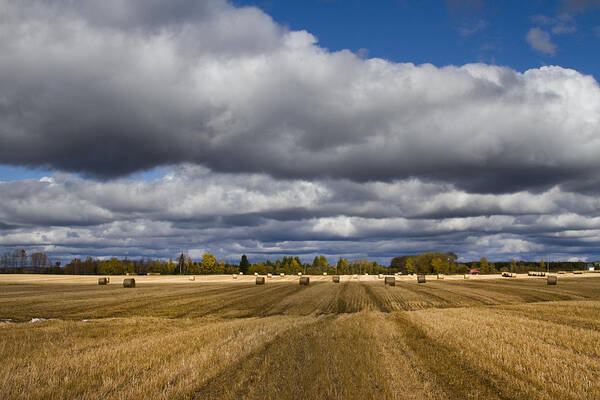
(172,338)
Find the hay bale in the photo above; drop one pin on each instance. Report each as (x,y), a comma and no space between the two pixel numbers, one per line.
(299,273)
(354,276)
(269,276)
(260,280)
(421,278)
(256,274)
(440,276)
(562,272)
(552,279)
(380,276)
(335,279)
(241,273)
(304,280)
(324,273)
(578,272)
(282,274)
(108,279)
(234,276)
(466,276)
(102,281)
(129,283)
(153,273)
(509,275)
(192,278)
(536,273)
(390,280)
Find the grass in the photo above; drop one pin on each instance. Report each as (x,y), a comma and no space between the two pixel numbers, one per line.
(220,338)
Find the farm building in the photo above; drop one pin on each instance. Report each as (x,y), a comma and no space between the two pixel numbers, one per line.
(474,271)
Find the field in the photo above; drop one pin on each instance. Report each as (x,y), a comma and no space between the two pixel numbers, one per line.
(215,337)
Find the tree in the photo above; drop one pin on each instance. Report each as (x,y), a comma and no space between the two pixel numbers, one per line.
(410,267)
(484,266)
(513,265)
(244,264)
(542,265)
(436,263)
(342,266)
(184,263)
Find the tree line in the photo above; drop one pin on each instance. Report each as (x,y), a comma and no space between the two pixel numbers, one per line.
(19,261)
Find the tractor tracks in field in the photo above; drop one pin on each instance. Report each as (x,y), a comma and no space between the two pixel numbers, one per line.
(374,298)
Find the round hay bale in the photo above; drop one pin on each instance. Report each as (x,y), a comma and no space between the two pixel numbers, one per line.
(241,273)
(260,280)
(390,280)
(282,274)
(129,283)
(380,276)
(234,276)
(421,278)
(335,279)
(440,276)
(299,273)
(552,279)
(304,280)
(269,276)
(466,276)
(324,273)
(192,278)
(108,279)
(256,274)
(102,281)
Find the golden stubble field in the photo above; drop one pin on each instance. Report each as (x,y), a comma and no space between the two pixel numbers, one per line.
(215,337)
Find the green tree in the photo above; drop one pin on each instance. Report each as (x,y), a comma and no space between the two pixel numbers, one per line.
(436,263)
(542,265)
(484,266)
(209,264)
(244,264)
(343,266)
(410,267)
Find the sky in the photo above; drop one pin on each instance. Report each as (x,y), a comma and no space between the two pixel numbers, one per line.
(147,128)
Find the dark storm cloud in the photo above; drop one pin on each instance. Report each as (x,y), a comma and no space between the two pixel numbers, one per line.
(195,210)
(129,85)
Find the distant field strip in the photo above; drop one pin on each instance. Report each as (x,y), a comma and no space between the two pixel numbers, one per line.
(360,339)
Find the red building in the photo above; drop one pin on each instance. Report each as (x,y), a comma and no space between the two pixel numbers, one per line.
(474,271)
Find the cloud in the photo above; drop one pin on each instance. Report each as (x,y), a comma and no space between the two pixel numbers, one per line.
(539,40)
(193,209)
(563,23)
(107,93)
(471,29)
(362,52)
(273,145)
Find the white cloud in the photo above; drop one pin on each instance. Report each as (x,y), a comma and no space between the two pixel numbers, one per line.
(540,41)
(230,89)
(275,145)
